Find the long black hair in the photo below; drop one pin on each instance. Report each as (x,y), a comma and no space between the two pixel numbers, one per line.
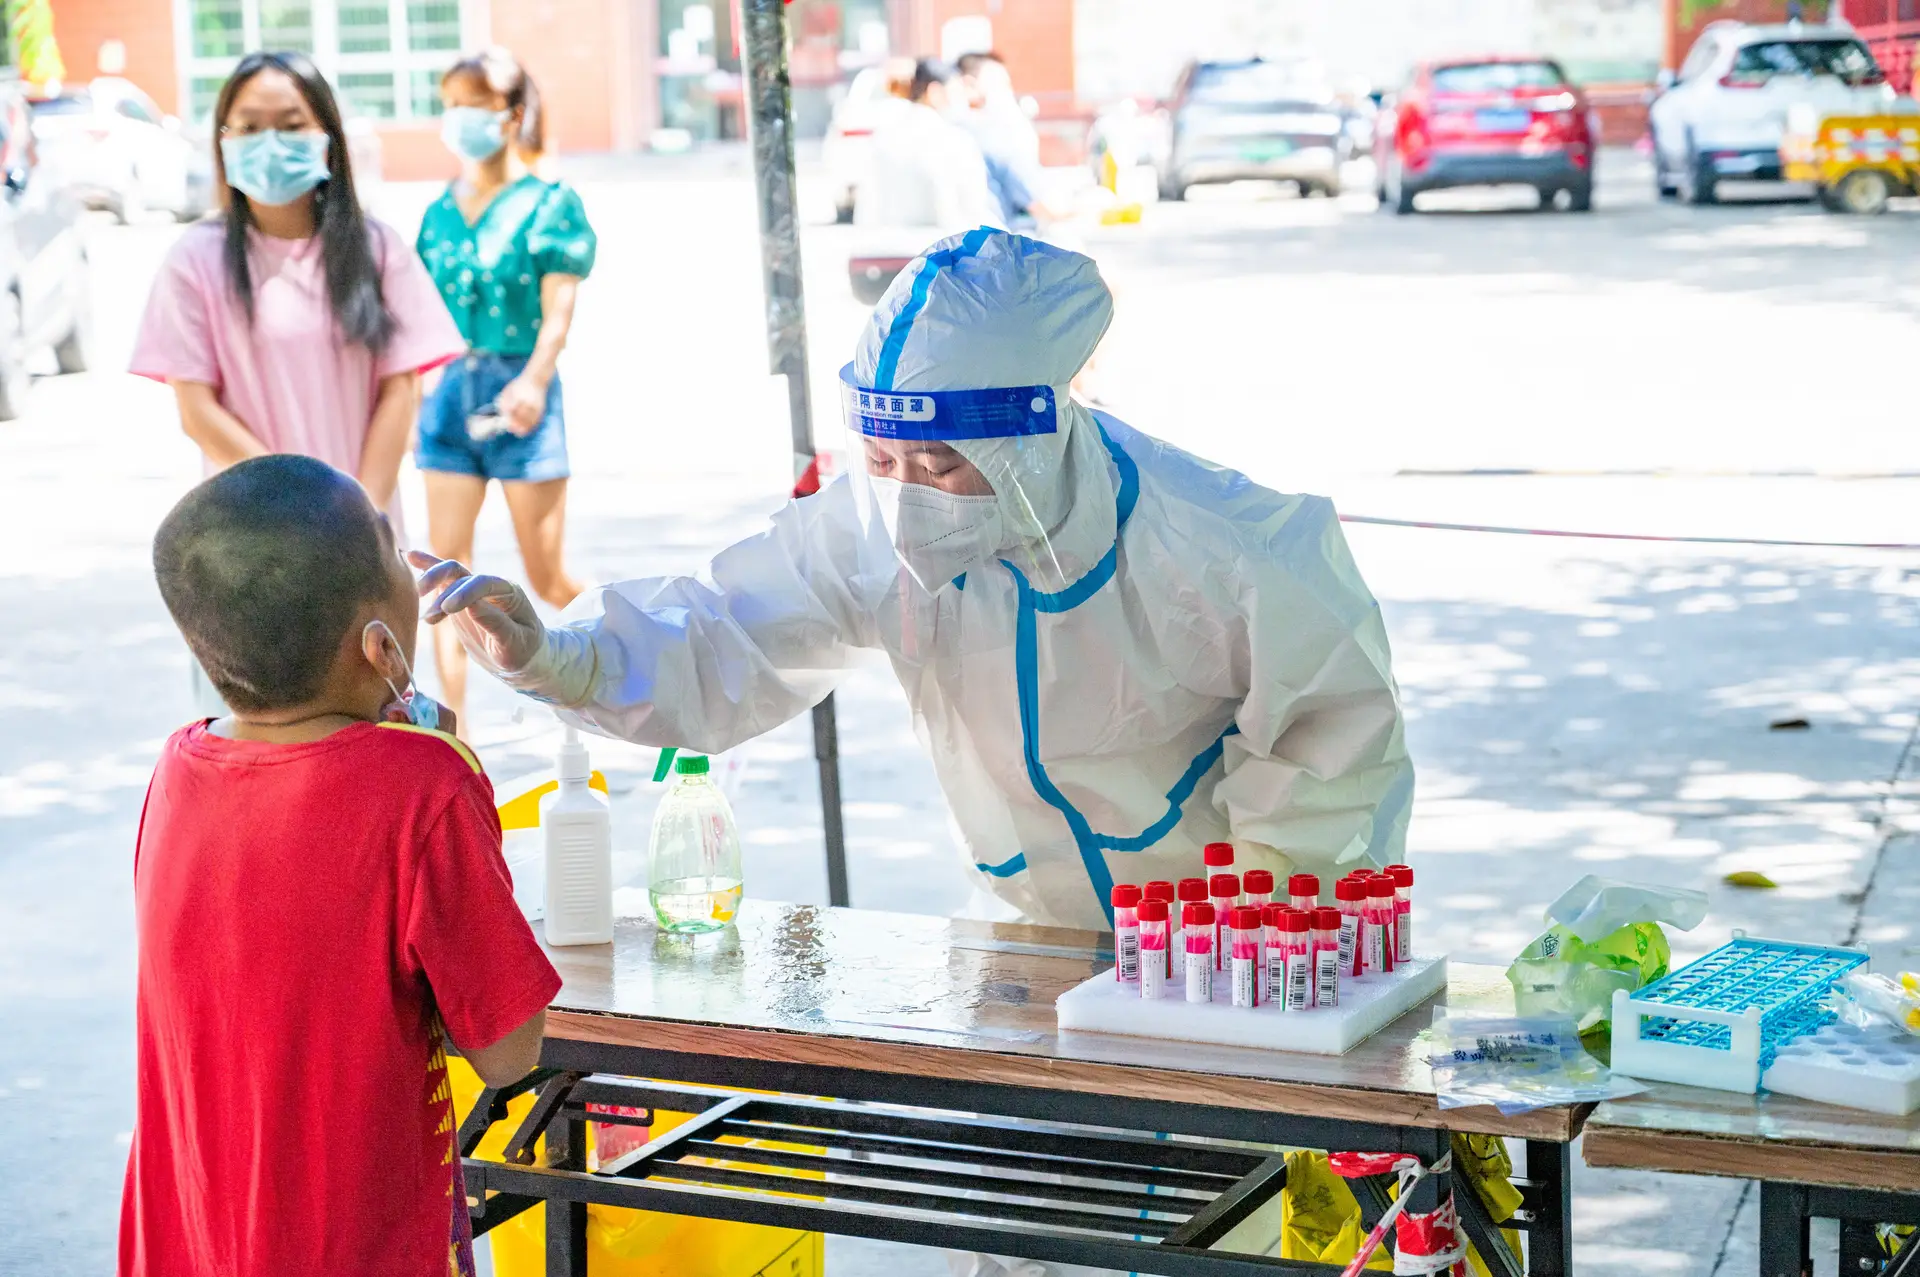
(502,73)
(346,244)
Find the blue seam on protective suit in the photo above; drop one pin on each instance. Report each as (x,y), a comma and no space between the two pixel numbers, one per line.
(1027,679)
(1006,868)
(902,324)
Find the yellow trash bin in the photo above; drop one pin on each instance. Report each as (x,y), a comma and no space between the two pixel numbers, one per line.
(632,1243)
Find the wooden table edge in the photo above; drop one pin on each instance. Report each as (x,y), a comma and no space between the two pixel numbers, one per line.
(1793,1161)
(1558,1125)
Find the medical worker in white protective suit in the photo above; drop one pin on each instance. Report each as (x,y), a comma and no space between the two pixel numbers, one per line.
(1115,652)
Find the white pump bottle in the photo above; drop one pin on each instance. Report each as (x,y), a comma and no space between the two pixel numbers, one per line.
(579,832)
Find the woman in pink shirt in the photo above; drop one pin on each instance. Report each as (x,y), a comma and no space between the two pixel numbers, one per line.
(294,322)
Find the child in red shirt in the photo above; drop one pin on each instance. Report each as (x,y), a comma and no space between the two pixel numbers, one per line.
(321,903)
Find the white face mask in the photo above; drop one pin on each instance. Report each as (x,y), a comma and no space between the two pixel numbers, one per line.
(941,536)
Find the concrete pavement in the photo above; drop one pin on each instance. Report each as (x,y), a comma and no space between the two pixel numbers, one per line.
(1573,706)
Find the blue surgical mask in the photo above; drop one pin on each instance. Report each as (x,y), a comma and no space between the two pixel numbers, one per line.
(474,133)
(422,711)
(275,167)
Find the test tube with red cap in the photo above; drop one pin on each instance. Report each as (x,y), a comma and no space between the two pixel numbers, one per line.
(1154,966)
(1191,891)
(1217,856)
(1126,932)
(1402,876)
(1161,890)
(1256,888)
(1377,925)
(1224,893)
(1196,926)
(1273,953)
(1297,926)
(1326,957)
(1246,955)
(1303,891)
(1349,896)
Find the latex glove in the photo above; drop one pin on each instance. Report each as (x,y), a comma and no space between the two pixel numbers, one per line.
(523,403)
(499,628)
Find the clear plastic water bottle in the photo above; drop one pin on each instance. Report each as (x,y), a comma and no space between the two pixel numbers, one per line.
(693,858)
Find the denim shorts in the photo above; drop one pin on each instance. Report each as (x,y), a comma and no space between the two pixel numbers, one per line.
(469,384)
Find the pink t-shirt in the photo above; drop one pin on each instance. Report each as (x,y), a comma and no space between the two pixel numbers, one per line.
(288,376)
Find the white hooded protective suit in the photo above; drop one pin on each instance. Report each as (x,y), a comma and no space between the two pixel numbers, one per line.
(1156,653)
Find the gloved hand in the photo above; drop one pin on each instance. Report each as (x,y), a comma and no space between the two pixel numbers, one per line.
(499,628)
(494,617)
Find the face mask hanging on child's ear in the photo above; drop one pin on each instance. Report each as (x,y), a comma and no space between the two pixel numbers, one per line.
(422,711)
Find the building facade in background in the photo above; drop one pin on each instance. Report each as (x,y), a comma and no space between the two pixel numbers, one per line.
(617,75)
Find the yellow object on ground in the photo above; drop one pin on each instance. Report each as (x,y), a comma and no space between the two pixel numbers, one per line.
(1320,1217)
(1856,162)
(519,801)
(631,1243)
(1749,878)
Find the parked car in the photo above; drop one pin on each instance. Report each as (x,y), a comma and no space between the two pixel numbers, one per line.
(1725,114)
(847,149)
(118,151)
(1250,119)
(1492,121)
(45,293)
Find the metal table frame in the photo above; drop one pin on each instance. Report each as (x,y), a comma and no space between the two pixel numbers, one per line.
(1179,1196)
(1786,1210)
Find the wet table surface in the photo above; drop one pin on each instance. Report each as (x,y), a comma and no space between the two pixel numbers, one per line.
(1693,1130)
(932,997)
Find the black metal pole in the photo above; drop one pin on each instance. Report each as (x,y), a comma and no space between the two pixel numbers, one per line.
(763,44)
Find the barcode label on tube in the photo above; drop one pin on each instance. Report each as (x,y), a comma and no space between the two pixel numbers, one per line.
(1327,994)
(1199,977)
(1246,982)
(1127,948)
(1349,925)
(1299,982)
(1403,939)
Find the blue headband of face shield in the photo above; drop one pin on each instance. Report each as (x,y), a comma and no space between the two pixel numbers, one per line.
(942,416)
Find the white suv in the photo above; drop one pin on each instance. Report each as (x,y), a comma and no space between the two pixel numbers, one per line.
(1726,112)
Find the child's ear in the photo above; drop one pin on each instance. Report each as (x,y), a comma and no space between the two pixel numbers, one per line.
(381,650)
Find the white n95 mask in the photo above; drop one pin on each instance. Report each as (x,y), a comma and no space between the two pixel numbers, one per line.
(940,536)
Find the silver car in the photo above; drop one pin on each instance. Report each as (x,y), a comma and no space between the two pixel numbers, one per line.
(112,146)
(1251,119)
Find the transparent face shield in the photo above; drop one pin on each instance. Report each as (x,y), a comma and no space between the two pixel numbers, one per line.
(955,479)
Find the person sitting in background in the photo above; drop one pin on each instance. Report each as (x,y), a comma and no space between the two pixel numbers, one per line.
(926,172)
(1005,135)
(321,903)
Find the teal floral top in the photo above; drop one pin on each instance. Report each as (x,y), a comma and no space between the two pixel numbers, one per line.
(489,273)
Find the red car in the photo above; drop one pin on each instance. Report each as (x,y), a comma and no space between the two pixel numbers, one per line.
(1487,122)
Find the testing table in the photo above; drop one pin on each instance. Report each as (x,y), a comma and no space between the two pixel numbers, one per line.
(958,1114)
(1812,1160)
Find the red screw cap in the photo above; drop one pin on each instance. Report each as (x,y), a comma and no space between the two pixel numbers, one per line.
(1192,889)
(1223,885)
(1402,875)
(1153,910)
(1197,915)
(1258,882)
(1157,890)
(1217,855)
(1125,896)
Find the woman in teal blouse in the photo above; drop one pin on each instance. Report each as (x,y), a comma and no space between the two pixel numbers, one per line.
(507,251)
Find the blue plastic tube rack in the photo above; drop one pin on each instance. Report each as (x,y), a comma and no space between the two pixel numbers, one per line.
(1717,1022)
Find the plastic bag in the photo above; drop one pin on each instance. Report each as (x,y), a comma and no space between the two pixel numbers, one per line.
(1320,1217)
(1516,1064)
(1867,999)
(1605,936)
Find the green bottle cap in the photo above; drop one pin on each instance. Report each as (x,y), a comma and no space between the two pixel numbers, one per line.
(691,765)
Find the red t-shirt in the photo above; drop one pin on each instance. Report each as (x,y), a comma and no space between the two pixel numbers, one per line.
(309,915)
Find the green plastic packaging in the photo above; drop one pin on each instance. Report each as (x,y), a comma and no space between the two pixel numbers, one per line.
(1559,975)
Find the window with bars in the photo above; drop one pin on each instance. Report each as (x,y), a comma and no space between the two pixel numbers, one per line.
(384,57)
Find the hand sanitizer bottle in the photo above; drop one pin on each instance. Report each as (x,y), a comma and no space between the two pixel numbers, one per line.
(579,834)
